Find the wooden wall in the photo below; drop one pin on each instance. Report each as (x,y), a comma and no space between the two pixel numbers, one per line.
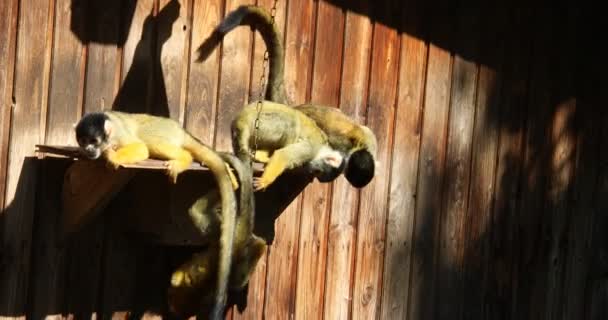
(490,201)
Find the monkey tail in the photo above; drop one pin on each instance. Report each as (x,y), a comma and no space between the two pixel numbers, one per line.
(246,215)
(255,17)
(214,162)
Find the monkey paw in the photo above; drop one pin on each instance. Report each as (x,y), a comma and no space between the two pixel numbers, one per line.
(259,184)
(174,168)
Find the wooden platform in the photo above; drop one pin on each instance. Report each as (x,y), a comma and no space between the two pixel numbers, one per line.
(155,208)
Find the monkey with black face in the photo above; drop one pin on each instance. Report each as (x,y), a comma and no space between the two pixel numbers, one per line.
(191,285)
(290,138)
(355,141)
(124,138)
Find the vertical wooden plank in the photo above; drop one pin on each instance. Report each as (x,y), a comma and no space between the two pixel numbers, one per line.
(478,220)
(430,172)
(25,132)
(122,257)
(281,275)
(64,105)
(537,145)
(257,282)
(171,32)
(135,93)
(402,200)
(591,116)
(510,120)
(345,199)
(86,247)
(452,239)
(100,76)
(562,160)
(234,78)
(316,199)
(203,78)
(373,203)
(596,284)
(8,37)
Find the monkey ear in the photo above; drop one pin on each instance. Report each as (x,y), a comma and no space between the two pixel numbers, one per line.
(107,127)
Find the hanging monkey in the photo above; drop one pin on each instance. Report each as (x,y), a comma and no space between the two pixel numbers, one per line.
(355,141)
(124,138)
(191,286)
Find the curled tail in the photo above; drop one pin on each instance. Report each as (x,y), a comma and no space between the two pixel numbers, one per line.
(256,17)
(214,162)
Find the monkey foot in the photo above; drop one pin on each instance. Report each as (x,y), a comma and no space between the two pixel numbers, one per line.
(174,168)
(259,184)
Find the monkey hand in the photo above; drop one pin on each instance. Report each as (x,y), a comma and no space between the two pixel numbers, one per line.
(260,184)
(113,162)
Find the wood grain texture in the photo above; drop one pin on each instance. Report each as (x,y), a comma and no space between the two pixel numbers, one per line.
(135,93)
(257,282)
(22,172)
(281,274)
(62,112)
(341,246)
(234,78)
(478,221)
(8,37)
(102,59)
(203,77)
(430,177)
(502,269)
(403,175)
(171,41)
(316,199)
(455,200)
(373,207)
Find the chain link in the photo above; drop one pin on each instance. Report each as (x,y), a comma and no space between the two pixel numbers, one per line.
(258,106)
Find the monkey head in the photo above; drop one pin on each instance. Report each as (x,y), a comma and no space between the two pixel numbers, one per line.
(327,165)
(92,134)
(360,168)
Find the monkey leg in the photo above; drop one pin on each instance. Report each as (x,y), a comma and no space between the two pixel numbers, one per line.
(291,156)
(178,158)
(127,154)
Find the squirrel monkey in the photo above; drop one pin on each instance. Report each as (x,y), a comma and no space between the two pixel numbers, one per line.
(125,138)
(291,140)
(355,141)
(190,283)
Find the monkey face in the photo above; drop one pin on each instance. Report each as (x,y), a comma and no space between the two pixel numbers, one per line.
(92,133)
(327,165)
(360,168)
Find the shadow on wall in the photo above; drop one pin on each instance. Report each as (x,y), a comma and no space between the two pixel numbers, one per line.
(539,250)
(533,252)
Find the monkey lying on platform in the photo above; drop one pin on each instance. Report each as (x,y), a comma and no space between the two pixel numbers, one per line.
(191,285)
(356,142)
(125,138)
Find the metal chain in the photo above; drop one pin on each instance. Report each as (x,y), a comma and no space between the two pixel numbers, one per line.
(258,106)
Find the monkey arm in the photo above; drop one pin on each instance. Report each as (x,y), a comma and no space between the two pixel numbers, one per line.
(288,157)
(262,156)
(129,153)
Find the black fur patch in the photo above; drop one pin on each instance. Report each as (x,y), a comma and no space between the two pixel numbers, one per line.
(92,126)
(360,168)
